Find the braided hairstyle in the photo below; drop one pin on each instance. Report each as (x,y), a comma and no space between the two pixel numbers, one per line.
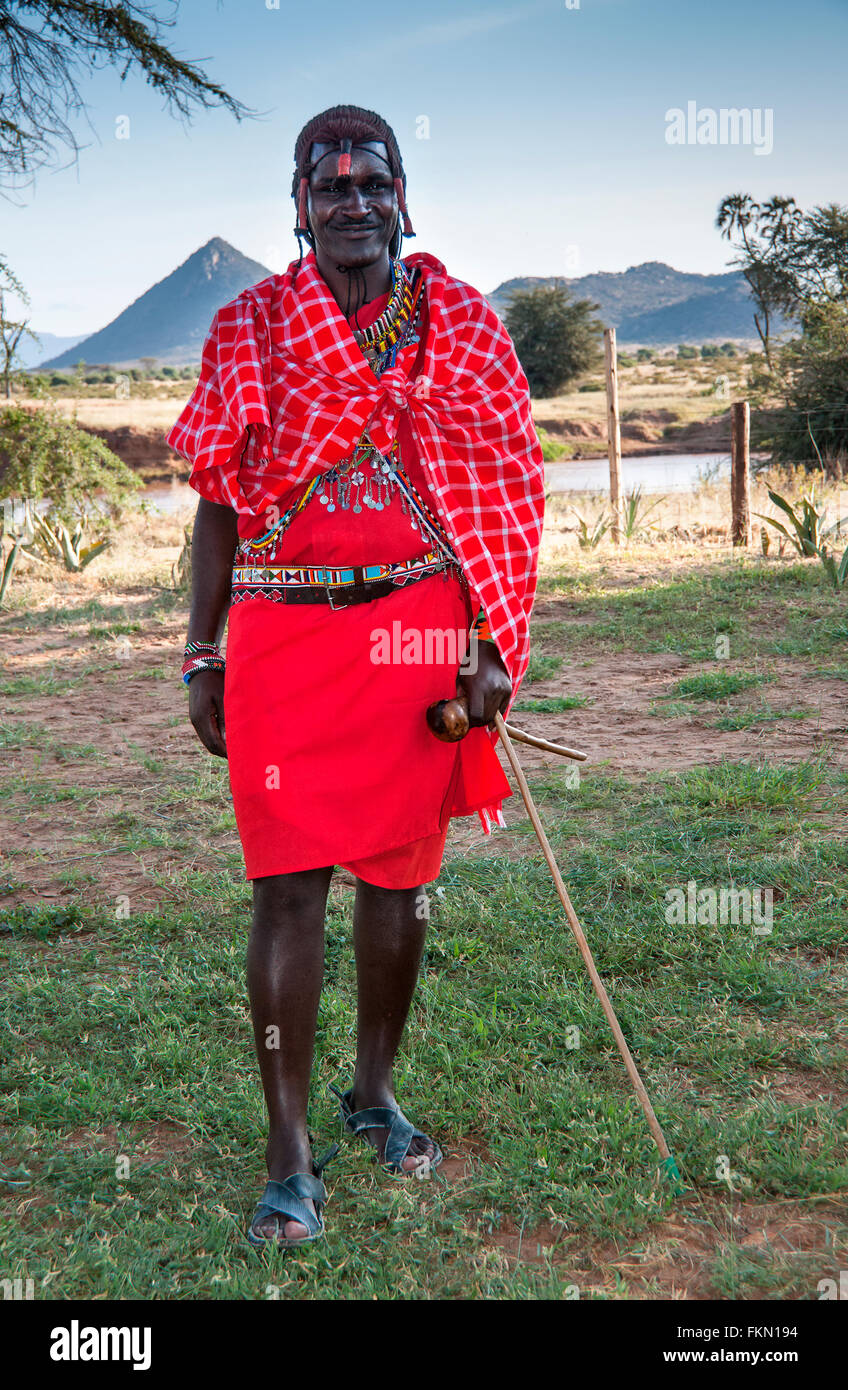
(349,126)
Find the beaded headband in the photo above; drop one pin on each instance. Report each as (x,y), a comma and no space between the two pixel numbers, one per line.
(345,148)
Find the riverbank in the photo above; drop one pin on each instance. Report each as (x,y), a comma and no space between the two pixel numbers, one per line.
(672,407)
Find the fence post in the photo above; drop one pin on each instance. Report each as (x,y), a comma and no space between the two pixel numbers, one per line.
(740,473)
(613,432)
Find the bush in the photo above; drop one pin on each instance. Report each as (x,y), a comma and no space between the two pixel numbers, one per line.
(552,449)
(684,351)
(812,426)
(556,337)
(47,458)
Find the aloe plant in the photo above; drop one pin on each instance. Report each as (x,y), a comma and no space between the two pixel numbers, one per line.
(61,544)
(8,565)
(809,532)
(837,573)
(587,539)
(633,515)
(20,531)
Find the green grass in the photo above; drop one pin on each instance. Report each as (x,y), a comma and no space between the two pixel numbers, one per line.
(764,609)
(554,704)
(543,665)
(748,717)
(22,734)
(759,714)
(715,685)
(119,1032)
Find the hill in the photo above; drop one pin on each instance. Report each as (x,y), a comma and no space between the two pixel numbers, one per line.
(655,304)
(49,345)
(648,304)
(170,320)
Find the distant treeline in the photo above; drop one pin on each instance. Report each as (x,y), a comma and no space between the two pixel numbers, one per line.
(104,375)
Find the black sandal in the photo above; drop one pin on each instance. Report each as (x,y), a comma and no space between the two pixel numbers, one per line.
(401,1132)
(287,1198)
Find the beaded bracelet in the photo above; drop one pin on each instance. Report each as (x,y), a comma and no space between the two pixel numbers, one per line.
(201,656)
(480,628)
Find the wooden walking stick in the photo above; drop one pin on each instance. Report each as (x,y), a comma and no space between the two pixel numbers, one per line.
(442,716)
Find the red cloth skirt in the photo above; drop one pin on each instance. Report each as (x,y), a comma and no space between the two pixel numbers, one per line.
(330,756)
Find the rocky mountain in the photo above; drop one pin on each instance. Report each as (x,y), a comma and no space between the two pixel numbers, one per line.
(170,320)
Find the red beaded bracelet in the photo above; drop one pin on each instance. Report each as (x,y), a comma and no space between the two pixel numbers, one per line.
(201,656)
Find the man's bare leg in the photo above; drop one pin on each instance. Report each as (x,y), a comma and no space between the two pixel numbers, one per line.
(389,929)
(285,971)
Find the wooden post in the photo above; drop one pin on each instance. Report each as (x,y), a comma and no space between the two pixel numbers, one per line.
(740,472)
(613,432)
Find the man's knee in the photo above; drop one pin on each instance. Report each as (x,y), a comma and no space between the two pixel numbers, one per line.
(302,892)
(391,895)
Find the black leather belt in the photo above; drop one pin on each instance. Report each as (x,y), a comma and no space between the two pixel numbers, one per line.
(357,587)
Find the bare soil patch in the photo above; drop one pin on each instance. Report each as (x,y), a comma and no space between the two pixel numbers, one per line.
(675,1260)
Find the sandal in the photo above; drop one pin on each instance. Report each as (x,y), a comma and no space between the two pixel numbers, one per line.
(286,1199)
(401,1132)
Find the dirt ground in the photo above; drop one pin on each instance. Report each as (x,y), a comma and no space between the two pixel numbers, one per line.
(146,717)
(125,700)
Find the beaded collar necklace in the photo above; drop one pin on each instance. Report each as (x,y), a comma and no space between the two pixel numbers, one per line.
(383,335)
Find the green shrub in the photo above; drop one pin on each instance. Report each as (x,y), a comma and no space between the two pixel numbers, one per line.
(45,457)
(552,449)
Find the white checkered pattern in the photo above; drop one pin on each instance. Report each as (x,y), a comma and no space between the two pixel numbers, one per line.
(285,393)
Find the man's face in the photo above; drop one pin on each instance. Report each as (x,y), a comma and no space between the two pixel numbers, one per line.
(353,217)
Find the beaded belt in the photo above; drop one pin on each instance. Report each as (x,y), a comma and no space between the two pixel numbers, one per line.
(340,588)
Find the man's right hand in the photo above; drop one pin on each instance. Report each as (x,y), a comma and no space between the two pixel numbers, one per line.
(206,710)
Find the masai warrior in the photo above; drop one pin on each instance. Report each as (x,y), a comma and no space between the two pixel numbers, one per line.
(362,443)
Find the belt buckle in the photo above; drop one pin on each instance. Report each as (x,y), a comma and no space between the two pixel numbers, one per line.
(333,607)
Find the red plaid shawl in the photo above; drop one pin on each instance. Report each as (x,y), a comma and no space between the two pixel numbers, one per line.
(285,393)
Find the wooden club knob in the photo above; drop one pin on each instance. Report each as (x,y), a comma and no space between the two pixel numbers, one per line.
(448,719)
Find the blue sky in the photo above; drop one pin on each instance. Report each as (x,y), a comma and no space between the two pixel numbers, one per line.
(546,149)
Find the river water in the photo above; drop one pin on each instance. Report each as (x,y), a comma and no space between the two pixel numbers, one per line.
(657,473)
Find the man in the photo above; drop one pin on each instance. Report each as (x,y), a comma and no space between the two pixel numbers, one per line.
(362,442)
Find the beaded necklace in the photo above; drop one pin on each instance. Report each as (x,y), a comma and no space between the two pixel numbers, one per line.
(395,328)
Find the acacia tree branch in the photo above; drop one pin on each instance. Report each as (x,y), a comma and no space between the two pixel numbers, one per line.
(47,47)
